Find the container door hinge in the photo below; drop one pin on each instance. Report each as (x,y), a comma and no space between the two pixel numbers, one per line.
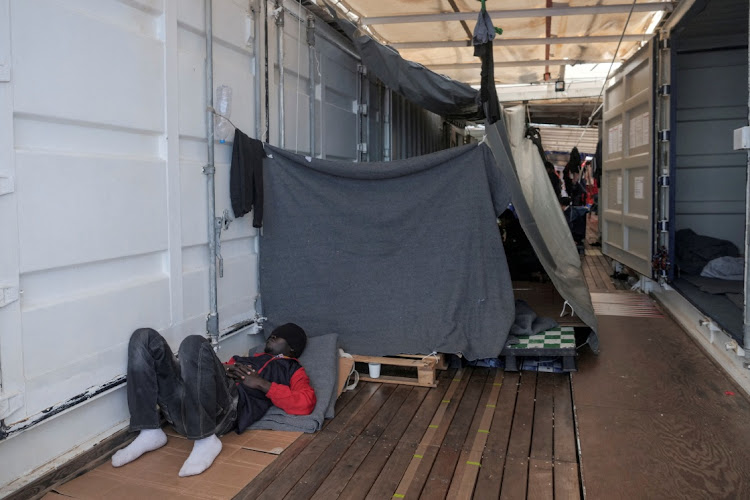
(8,295)
(362,69)
(663,225)
(362,109)
(665,90)
(665,44)
(7,184)
(362,147)
(664,135)
(664,181)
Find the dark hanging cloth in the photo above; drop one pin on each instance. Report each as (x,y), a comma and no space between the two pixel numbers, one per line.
(574,189)
(484,33)
(246,177)
(598,163)
(535,136)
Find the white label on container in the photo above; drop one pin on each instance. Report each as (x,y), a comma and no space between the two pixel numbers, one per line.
(638,188)
(619,190)
(615,138)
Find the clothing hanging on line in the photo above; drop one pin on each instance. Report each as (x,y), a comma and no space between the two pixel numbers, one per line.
(246,177)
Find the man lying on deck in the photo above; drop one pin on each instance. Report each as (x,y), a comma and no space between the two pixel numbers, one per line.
(203,398)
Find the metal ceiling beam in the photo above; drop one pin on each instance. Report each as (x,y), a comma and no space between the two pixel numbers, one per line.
(511,64)
(500,42)
(519,13)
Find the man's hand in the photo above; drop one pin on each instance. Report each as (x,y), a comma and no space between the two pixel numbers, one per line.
(236,372)
(247,376)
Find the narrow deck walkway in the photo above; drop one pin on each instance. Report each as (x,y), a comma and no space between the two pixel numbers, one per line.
(650,417)
(481,433)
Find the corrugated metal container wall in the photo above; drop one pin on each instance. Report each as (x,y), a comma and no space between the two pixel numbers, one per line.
(416,131)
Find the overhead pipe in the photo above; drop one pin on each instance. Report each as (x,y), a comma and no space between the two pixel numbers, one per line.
(498,42)
(279,13)
(214,225)
(521,13)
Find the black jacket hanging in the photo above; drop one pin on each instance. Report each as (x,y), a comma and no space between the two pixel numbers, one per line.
(246,177)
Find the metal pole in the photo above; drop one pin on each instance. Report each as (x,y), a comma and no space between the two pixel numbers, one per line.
(257,13)
(280,62)
(212,321)
(311,78)
(387,129)
(746,318)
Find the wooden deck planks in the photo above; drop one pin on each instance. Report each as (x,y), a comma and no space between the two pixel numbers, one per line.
(426,452)
(481,433)
(335,482)
(566,479)
(520,436)
(540,485)
(470,460)
(541,441)
(318,471)
(368,471)
(443,469)
(391,473)
(564,430)
(493,462)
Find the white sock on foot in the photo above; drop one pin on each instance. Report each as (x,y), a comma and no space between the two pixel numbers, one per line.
(147,440)
(203,455)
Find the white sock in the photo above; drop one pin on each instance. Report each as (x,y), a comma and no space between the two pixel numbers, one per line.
(147,440)
(203,455)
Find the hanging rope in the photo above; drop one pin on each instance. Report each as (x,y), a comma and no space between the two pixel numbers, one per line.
(606,78)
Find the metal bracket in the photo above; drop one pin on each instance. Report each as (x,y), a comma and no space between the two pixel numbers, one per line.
(665,44)
(209,169)
(221,223)
(663,181)
(663,225)
(311,31)
(226,220)
(8,295)
(362,69)
(665,90)
(363,109)
(664,135)
(362,147)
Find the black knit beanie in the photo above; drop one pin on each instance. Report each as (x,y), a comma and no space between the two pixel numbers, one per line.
(294,335)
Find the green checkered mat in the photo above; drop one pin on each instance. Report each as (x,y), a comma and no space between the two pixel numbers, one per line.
(555,338)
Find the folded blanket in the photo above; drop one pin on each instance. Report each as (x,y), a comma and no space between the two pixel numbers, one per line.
(725,268)
(320,360)
(715,286)
(527,322)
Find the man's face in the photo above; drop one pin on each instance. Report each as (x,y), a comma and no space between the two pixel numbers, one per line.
(276,345)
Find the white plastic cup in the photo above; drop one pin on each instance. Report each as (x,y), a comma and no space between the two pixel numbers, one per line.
(374,369)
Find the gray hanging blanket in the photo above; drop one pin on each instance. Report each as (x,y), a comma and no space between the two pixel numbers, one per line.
(394,257)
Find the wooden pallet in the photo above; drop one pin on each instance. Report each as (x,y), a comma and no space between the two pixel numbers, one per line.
(441,360)
(425,369)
